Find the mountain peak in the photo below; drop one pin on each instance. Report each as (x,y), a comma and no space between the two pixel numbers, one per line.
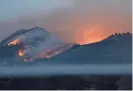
(20,32)
(34,43)
(118,36)
(37,27)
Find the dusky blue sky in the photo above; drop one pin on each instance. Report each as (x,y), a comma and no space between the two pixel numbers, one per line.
(14,8)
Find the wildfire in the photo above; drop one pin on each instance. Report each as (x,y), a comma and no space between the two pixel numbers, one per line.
(49,54)
(21,53)
(14,42)
(42,54)
(90,35)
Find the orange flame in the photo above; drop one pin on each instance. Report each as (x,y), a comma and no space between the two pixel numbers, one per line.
(21,53)
(14,42)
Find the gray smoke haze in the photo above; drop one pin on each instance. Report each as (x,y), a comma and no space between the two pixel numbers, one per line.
(84,22)
(40,41)
(51,43)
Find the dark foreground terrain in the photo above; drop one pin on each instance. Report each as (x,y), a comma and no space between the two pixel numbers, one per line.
(97,82)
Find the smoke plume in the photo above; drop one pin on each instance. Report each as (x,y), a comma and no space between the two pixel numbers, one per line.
(85,21)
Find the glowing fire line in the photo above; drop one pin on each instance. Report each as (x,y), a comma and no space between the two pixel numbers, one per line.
(14,42)
(44,54)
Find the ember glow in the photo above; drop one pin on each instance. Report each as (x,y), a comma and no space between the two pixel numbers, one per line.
(14,42)
(78,22)
(90,35)
(21,53)
(33,48)
(43,54)
(49,54)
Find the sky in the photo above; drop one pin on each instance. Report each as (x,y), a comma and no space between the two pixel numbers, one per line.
(77,21)
(15,8)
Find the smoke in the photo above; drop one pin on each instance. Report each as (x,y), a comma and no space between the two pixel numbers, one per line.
(44,47)
(85,21)
(39,42)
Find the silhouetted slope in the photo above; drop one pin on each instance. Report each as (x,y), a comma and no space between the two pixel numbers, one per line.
(112,50)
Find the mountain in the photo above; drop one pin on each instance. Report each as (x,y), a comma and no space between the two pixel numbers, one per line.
(10,45)
(40,46)
(116,49)
(16,37)
(31,44)
(27,32)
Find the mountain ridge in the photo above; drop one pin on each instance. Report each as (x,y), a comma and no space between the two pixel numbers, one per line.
(115,47)
(35,39)
(111,48)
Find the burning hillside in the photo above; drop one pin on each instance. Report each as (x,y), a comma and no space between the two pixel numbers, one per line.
(36,43)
